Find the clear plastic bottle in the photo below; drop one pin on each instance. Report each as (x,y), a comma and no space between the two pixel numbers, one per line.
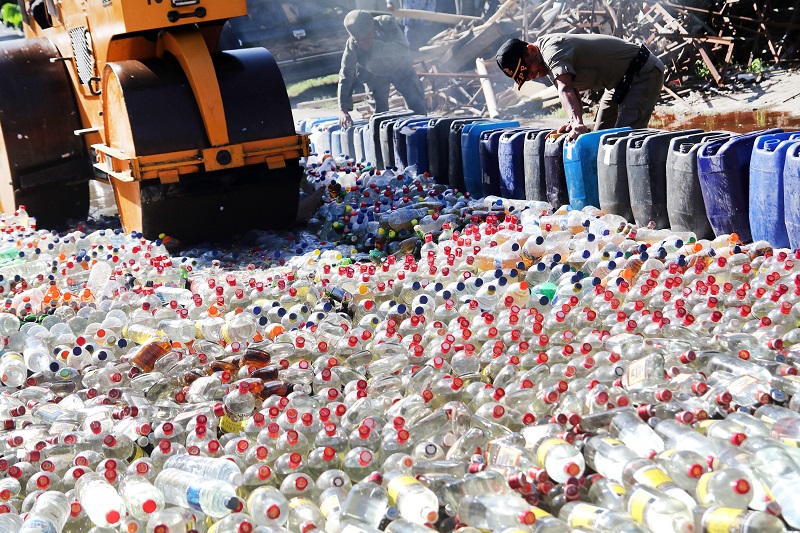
(212,497)
(585,516)
(304,515)
(50,512)
(268,506)
(207,467)
(685,467)
(560,459)
(657,511)
(728,487)
(495,512)
(13,370)
(739,521)
(141,498)
(367,501)
(629,428)
(415,502)
(99,499)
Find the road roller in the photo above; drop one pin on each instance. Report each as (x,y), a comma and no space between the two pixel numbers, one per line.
(197,143)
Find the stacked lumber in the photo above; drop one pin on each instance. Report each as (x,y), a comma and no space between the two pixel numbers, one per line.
(705,44)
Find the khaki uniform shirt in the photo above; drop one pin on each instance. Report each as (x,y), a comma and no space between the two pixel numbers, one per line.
(596,62)
(389,55)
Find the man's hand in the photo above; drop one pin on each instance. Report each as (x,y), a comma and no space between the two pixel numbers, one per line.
(571,129)
(345,121)
(575,130)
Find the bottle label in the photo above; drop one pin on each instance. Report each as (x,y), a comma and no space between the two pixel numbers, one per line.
(225,334)
(539,513)
(297,502)
(638,505)
(612,442)
(229,426)
(330,506)
(655,478)
(138,453)
(637,372)
(724,520)
(508,456)
(702,487)
(544,449)
(397,485)
(584,515)
(61,428)
(37,524)
(703,426)
(739,385)
(619,489)
(193,498)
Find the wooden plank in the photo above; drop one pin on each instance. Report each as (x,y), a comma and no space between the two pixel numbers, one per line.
(453,75)
(547,92)
(763,27)
(791,98)
(552,102)
(618,29)
(728,57)
(724,41)
(500,13)
(434,16)
(677,98)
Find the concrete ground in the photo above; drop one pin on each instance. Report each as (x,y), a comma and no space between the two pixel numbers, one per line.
(778,92)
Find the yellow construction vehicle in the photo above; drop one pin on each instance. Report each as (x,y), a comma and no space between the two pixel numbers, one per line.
(196,142)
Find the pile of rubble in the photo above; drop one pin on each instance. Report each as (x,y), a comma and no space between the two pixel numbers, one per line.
(703,43)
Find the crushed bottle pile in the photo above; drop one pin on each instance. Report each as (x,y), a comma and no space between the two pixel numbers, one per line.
(422,361)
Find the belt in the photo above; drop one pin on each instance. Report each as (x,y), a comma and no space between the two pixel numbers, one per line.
(635,66)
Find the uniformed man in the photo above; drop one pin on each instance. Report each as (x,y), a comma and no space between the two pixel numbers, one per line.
(377,54)
(630,76)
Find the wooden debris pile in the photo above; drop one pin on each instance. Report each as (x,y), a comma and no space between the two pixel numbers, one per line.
(703,43)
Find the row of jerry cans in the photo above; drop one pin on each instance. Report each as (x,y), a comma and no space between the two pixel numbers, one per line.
(449,148)
(709,183)
(391,139)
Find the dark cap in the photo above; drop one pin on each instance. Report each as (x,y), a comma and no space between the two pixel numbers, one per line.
(511,60)
(359,23)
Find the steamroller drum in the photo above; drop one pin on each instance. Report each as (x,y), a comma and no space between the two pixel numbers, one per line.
(43,164)
(151,110)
